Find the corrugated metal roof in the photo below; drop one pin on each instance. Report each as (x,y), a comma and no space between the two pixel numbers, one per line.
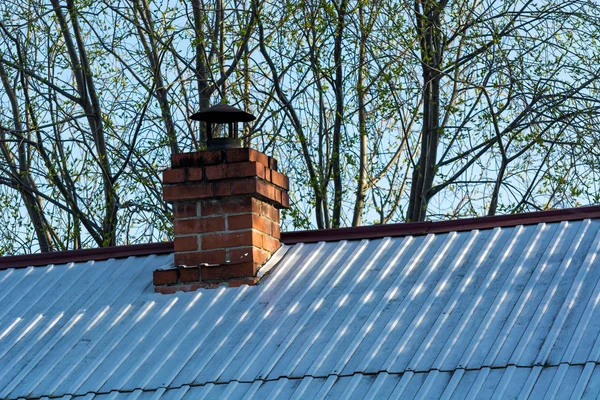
(536,383)
(508,312)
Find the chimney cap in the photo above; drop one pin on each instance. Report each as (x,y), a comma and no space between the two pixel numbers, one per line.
(222,114)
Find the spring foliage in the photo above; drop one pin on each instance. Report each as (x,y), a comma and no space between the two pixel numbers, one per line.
(379,111)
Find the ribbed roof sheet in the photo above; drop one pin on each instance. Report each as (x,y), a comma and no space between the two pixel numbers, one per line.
(508,312)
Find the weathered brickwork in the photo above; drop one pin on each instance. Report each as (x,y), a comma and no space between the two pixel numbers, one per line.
(226,217)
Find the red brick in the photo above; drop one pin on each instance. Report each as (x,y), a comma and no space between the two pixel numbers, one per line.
(277,195)
(267,210)
(254,186)
(261,224)
(239,221)
(263,172)
(186,243)
(245,254)
(239,270)
(211,207)
(241,204)
(212,285)
(223,188)
(187,275)
(285,200)
(270,244)
(251,192)
(235,170)
(275,230)
(194,174)
(244,186)
(197,159)
(260,256)
(266,189)
(190,287)
(251,169)
(165,289)
(273,163)
(231,239)
(188,192)
(200,257)
(231,205)
(246,154)
(185,209)
(247,221)
(233,283)
(280,180)
(164,276)
(174,175)
(216,171)
(241,254)
(199,225)
(257,238)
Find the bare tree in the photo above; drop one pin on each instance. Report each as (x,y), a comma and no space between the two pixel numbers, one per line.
(379,111)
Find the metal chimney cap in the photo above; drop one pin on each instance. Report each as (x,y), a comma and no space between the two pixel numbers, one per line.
(222,114)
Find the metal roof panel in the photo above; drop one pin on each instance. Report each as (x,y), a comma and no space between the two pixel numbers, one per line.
(510,311)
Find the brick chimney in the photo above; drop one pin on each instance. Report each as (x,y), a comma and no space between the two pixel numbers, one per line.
(226,217)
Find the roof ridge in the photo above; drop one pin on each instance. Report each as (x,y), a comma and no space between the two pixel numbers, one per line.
(313,236)
(426,227)
(96,254)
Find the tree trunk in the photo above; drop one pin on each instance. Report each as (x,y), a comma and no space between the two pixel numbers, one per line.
(204,91)
(91,105)
(22,174)
(150,47)
(428,21)
(361,185)
(339,116)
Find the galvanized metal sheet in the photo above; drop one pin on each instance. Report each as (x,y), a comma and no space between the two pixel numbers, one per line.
(510,382)
(506,312)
